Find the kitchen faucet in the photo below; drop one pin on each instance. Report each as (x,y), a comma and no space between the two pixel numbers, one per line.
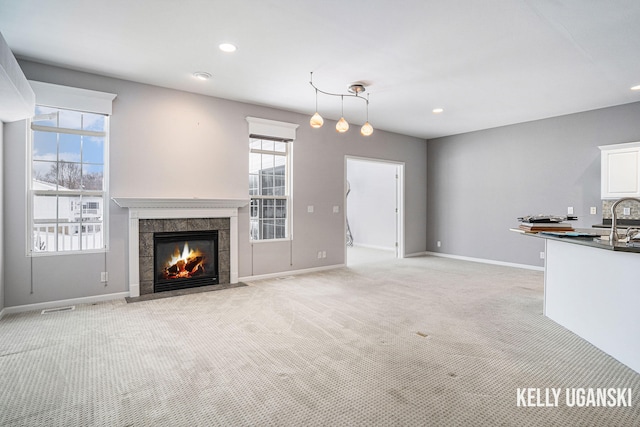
(613,237)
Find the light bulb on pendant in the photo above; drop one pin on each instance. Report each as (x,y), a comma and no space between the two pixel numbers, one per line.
(342,126)
(316,120)
(366,128)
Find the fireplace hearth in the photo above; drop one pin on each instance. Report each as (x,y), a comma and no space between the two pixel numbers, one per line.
(186,259)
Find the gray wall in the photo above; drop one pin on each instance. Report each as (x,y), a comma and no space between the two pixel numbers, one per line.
(371,205)
(480,182)
(150,127)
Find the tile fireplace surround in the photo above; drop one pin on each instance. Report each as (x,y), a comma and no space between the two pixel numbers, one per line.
(168,209)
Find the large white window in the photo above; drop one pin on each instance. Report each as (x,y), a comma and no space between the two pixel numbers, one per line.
(270,145)
(68,164)
(269,188)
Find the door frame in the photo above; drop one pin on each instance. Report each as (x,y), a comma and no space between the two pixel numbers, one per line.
(400,219)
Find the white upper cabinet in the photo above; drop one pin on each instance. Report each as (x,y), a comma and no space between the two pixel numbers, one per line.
(620,170)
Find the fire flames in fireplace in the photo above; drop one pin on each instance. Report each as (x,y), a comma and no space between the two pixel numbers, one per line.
(184,259)
(185,264)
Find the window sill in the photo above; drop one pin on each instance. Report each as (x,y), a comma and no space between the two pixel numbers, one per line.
(286,239)
(62,253)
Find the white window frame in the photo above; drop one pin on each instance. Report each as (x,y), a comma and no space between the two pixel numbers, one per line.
(276,131)
(286,197)
(69,98)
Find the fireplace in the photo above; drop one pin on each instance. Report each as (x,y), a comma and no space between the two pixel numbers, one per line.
(155,215)
(170,237)
(186,259)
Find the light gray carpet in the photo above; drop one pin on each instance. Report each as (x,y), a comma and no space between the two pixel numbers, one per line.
(358,255)
(422,341)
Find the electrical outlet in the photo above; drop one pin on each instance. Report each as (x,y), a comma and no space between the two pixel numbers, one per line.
(310,209)
(626,211)
(324,254)
(593,210)
(438,243)
(570,210)
(541,255)
(104,276)
(336,209)
(319,254)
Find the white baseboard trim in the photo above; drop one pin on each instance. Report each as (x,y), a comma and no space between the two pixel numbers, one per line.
(290,273)
(63,303)
(134,290)
(486,261)
(415,254)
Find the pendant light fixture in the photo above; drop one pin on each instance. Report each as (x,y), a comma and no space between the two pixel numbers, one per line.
(316,120)
(342,125)
(367,129)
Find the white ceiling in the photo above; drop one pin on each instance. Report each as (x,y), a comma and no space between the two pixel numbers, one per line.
(487,63)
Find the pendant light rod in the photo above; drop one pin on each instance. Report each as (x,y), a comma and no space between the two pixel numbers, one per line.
(367,107)
(356,95)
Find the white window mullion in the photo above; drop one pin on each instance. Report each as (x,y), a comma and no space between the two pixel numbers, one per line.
(66,131)
(56,227)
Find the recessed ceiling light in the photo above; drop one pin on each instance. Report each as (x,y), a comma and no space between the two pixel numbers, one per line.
(437,110)
(637,87)
(202,75)
(227,47)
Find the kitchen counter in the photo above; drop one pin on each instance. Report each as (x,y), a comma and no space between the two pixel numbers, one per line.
(592,289)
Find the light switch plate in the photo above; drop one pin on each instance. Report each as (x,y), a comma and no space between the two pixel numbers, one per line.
(336,209)
(310,209)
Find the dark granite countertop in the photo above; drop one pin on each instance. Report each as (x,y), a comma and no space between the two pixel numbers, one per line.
(593,242)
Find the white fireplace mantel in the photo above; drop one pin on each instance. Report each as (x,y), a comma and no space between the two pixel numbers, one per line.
(166,208)
(175,203)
